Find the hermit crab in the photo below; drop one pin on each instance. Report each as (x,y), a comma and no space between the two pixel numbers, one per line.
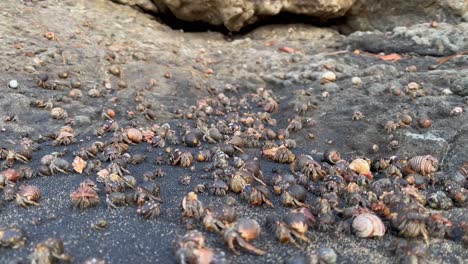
(28,195)
(116,199)
(85,196)
(65,136)
(256,195)
(368,225)
(240,179)
(148,191)
(191,249)
(9,176)
(240,233)
(331,156)
(295,195)
(409,251)
(295,227)
(219,187)
(424,165)
(150,209)
(280,154)
(281,182)
(192,206)
(10,156)
(182,158)
(362,167)
(309,167)
(409,221)
(49,251)
(13,237)
(55,164)
(216,218)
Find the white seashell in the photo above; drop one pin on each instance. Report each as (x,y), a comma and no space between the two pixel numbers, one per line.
(13,84)
(368,225)
(356,81)
(447,91)
(328,77)
(456,111)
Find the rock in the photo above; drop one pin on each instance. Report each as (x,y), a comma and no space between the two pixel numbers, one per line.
(144,5)
(360,14)
(444,40)
(235,14)
(460,87)
(386,14)
(13,84)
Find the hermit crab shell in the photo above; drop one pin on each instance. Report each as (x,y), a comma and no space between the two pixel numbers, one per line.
(361,166)
(368,225)
(79,164)
(424,165)
(134,135)
(249,229)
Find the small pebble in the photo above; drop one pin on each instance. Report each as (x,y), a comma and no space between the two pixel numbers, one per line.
(229,200)
(13,84)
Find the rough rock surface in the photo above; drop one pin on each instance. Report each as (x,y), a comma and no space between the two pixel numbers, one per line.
(442,40)
(235,14)
(386,14)
(360,14)
(92,36)
(144,5)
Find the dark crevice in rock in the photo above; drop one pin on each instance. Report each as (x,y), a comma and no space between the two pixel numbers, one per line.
(281,19)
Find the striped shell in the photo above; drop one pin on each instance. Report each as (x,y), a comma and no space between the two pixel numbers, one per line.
(30,192)
(368,225)
(424,165)
(464,169)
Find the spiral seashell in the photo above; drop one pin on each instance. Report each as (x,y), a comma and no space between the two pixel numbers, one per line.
(362,167)
(424,165)
(464,169)
(368,225)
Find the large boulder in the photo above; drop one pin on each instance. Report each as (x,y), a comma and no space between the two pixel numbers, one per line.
(359,14)
(235,14)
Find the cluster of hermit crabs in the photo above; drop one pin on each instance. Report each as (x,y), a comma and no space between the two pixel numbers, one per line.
(324,192)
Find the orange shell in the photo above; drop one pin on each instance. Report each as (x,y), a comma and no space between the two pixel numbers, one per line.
(79,164)
(362,167)
(11,175)
(134,135)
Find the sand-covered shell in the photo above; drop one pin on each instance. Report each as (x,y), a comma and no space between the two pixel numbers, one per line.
(361,166)
(79,164)
(424,165)
(368,225)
